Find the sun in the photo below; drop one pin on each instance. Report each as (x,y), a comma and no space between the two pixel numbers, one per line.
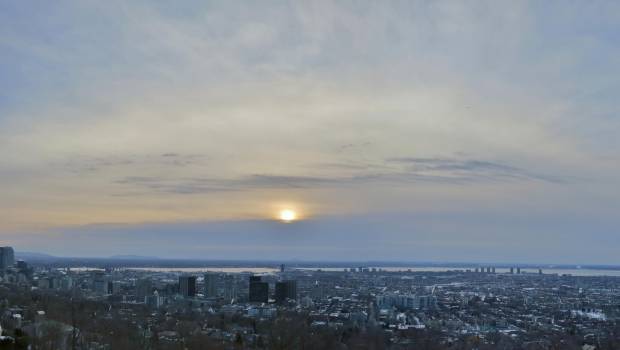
(288,215)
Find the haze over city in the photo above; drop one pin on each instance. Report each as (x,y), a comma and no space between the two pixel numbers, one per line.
(382,130)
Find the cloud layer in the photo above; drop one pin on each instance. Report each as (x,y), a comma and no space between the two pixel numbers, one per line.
(139,112)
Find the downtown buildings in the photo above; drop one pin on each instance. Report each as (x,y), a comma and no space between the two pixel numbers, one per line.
(7,258)
(187,286)
(258,290)
(286,290)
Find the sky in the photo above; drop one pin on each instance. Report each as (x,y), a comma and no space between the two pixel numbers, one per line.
(482,131)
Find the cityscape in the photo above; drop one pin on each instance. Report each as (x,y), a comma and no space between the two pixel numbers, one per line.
(45,305)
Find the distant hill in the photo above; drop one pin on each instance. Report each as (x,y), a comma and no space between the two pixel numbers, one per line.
(33,256)
(133,257)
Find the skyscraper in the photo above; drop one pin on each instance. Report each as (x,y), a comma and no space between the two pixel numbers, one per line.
(7,257)
(318,291)
(99,282)
(112,287)
(230,288)
(259,291)
(210,284)
(144,288)
(154,301)
(187,286)
(286,290)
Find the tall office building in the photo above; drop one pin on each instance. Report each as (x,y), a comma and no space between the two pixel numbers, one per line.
(230,288)
(112,287)
(99,282)
(286,290)
(144,288)
(7,257)
(66,283)
(518,270)
(259,290)
(187,286)
(318,291)
(154,301)
(211,284)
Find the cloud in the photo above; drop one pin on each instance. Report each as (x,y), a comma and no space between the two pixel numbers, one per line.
(473,170)
(447,171)
(85,164)
(157,111)
(172,186)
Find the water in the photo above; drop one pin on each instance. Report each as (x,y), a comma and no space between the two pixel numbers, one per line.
(269,270)
(257,270)
(574,272)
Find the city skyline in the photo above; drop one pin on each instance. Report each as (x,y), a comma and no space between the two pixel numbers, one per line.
(421,131)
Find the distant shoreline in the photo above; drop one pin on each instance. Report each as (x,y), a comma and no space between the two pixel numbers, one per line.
(147,262)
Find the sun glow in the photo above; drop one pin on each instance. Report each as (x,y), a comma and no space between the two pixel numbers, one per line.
(288,215)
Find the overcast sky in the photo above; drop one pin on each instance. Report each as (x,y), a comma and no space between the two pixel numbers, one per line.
(411,130)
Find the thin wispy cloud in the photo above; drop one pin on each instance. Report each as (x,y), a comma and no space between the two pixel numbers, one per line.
(86,164)
(396,172)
